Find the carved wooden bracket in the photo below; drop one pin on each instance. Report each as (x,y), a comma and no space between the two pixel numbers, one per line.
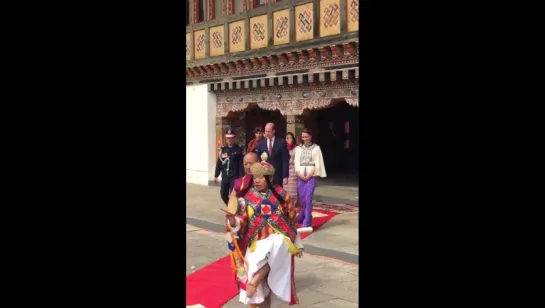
(216,69)
(282,60)
(263,61)
(325,53)
(336,51)
(255,63)
(239,65)
(247,65)
(272,61)
(348,49)
(231,66)
(223,67)
(313,55)
(302,56)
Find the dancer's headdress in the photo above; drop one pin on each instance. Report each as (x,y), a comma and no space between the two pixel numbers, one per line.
(262,168)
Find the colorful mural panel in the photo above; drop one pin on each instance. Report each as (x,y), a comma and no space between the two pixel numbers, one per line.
(304,22)
(352,15)
(200,44)
(330,17)
(216,43)
(281,26)
(259,36)
(188,46)
(237,39)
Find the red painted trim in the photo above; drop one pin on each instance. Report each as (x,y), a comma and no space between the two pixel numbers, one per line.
(231,7)
(195,11)
(211,9)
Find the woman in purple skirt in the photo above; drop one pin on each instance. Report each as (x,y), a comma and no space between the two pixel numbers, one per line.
(309,164)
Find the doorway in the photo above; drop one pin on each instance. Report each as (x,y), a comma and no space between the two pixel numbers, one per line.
(336,132)
(259,117)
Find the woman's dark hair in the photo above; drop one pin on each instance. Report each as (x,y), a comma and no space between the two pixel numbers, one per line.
(307,131)
(270,186)
(295,140)
(292,137)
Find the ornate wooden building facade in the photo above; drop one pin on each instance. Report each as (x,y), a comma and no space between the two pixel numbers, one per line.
(286,55)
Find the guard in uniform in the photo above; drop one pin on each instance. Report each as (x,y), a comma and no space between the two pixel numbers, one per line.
(230,165)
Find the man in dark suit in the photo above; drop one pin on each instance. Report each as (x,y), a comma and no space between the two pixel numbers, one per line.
(277,152)
(229,164)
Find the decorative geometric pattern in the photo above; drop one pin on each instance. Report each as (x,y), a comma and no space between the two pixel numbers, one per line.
(352,15)
(331,15)
(304,23)
(354,11)
(236,37)
(259,32)
(187,47)
(217,39)
(200,43)
(282,27)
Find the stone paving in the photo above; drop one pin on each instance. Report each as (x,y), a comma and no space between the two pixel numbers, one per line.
(320,282)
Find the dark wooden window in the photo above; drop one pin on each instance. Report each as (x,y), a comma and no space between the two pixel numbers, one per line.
(200,13)
(187,12)
(259,3)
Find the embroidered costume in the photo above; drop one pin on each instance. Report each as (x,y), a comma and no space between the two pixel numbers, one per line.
(270,229)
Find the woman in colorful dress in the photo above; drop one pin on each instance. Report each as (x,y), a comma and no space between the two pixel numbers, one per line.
(291,187)
(309,164)
(266,219)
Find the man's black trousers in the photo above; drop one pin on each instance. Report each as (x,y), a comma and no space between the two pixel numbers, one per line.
(226,188)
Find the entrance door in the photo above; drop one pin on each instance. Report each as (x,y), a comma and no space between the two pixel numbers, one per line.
(338,138)
(259,117)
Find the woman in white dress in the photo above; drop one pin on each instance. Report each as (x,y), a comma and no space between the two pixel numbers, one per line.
(309,164)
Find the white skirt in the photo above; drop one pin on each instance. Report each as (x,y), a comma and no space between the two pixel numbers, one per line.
(272,250)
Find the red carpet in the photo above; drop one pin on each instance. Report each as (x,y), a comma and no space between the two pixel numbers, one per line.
(212,286)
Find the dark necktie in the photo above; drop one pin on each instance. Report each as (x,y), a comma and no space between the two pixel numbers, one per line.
(270,147)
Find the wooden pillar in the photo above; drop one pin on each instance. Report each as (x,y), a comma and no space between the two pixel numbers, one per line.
(295,124)
(222,125)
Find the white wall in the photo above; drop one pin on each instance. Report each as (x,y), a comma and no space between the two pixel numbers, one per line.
(201,134)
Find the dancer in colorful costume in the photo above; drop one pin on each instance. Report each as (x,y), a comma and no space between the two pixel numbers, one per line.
(264,217)
(237,246)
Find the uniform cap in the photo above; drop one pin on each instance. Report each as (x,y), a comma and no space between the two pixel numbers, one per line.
(230,133)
